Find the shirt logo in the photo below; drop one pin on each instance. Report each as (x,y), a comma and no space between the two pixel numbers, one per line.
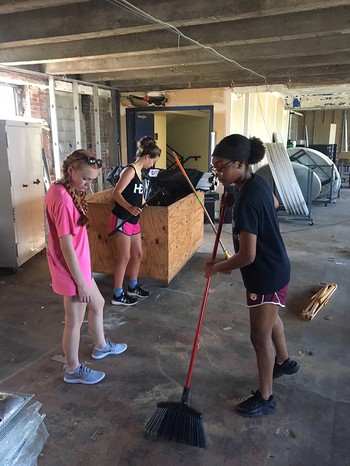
(138,188)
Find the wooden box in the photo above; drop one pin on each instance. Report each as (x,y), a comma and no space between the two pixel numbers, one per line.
(170,235)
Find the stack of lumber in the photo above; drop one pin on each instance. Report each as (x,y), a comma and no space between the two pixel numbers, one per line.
(318,300)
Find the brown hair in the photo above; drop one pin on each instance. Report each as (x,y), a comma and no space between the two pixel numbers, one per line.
(144,141)
(76,159)
(148,146)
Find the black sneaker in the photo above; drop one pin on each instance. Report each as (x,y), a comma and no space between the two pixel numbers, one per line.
(256,406)
(123,300)
(288,367)
(138,292)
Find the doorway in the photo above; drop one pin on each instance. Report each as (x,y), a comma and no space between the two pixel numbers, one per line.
(185,130)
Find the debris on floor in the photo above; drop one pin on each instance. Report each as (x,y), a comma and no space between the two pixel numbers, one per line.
(22,429)
(318,300)
(98,433)
(288,433)
(59,358)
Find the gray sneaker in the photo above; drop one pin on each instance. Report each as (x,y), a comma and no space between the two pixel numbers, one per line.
(110,348)
(83,375)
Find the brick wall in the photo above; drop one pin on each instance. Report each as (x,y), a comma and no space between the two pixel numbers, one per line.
(40,108)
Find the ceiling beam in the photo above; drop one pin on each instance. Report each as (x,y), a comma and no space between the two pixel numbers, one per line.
(328,22)
(192,55)
(221,82)
(14,6)
(222,43)
(98,17)
(204,68)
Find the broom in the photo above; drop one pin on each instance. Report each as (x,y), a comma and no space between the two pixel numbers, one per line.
(177,420)
(177,160)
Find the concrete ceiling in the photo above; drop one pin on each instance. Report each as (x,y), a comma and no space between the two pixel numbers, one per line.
(237,43)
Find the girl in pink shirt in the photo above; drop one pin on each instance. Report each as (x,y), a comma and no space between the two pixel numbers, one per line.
(68,256)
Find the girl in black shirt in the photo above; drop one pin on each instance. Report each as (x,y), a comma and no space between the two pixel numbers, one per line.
(262,258)
(128,199)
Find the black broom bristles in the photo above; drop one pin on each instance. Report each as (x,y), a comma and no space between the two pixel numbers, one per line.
(179,422)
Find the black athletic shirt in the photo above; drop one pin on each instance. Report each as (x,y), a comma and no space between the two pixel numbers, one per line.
(132,194)
(254,212)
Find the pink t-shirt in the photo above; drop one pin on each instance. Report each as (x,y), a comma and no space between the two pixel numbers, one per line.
(62,219)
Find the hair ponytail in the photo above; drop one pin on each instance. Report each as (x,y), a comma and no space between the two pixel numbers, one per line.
(257,150)
(79,200)
(148,148)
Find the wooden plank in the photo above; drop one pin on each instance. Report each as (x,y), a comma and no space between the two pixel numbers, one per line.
(154,223)
(102,247)
(318,300)
(185,232)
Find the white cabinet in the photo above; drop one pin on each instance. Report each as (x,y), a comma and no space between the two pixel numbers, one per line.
(22,191)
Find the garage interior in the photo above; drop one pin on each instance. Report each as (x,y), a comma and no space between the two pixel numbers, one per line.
(76,69)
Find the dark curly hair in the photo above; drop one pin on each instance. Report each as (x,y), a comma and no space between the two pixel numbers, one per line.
(238,148)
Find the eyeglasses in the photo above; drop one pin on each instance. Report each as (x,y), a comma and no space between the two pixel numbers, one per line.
(220,171)
(94,161)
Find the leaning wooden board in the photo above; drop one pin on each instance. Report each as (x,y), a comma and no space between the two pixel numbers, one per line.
(170,235)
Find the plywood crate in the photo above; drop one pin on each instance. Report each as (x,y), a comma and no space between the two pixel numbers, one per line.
(170,235)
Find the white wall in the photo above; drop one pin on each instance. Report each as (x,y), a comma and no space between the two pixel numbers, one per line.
(259,114)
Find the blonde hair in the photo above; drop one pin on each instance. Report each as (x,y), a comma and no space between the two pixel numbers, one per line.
(76,159)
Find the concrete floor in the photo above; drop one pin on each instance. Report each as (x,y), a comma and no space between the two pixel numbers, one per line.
(103,424)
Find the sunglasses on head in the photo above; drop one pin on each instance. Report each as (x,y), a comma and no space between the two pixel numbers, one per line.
(94,161)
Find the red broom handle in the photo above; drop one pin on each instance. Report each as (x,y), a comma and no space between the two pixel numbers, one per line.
(204,302)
